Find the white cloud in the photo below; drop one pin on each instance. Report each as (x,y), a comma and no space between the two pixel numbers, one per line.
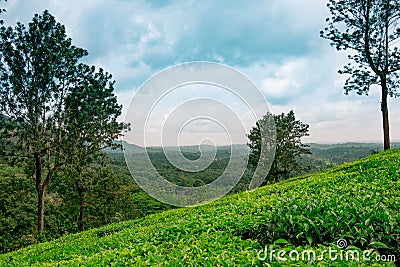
(280,88)
(274,42)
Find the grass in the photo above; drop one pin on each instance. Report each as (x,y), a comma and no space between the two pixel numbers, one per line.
(358,202)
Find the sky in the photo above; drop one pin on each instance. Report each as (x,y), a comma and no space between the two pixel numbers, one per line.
(275,43)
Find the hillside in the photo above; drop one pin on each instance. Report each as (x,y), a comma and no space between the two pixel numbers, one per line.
(358,202)
(129,148)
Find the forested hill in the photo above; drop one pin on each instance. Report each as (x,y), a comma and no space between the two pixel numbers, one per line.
(328,155)
(323,155)
(356,203)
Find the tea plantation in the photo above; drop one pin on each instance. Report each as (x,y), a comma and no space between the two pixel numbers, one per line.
(357,204)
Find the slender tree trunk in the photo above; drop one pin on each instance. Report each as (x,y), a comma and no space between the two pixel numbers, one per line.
(40,189)
(385,114)
(81,192)
(40,214)
(81,214)
(276,174)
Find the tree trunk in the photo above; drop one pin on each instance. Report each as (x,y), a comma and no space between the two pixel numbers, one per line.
(40,212)
(276,172)
(81,215)
(81,191)
(40,189)
(385,114)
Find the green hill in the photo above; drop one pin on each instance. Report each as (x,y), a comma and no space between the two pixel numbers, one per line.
(358,202)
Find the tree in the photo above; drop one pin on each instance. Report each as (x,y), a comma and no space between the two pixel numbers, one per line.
(83,103)
(289,147)
(369,28)
(57,108)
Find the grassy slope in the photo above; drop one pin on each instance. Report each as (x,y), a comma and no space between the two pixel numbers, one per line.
(358,201)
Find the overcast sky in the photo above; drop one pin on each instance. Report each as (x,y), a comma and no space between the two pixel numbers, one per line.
(275,43)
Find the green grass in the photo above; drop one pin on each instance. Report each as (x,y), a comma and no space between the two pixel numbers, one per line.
(359,202)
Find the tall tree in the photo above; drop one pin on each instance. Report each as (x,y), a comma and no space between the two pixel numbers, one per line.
(289,147)
(370,29)
(56,106)
(94,100)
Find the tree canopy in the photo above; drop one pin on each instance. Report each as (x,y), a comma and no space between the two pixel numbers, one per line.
(289,147)
(58,109)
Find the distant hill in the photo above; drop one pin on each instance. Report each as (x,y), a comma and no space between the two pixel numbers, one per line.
(316,147)
(195,148)
(323,155)
(135,149)
(346,152)
(367,145)
(128,148)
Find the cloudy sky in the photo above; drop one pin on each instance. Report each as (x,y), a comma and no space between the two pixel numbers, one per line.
(275,43)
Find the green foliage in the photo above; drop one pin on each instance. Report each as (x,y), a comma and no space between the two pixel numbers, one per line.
(17,208)
(60,112)
(185,178)
(370,29)
(180,177)
(111,194)
(108,198)
(357,201)
(289,147)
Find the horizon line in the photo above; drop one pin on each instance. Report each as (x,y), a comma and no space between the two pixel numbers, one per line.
(380,142)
